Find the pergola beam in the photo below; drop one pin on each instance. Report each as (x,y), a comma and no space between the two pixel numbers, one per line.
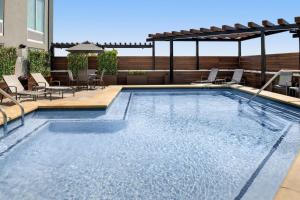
(253,25)
(297,20)
(195,31)
(240,26)
(205,30)
(267,23)
(282,22)
(215,29)
(228,28)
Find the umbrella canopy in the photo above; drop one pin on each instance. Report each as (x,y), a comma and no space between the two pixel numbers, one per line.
(85,47)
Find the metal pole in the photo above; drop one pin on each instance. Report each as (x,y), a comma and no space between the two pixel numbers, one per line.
(239,52)
(171,75)
(263,59)
(197,55)
(153,55)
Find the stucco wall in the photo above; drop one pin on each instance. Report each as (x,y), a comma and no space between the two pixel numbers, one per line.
(15,25)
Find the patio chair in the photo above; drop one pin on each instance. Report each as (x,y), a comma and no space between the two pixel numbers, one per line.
(15,87)
(99,80)
(211,77)
(236,78)
(43,84)
(285,81)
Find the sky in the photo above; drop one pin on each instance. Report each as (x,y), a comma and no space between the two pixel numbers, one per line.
(132,21)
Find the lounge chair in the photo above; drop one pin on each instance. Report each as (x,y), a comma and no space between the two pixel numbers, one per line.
(211,77)
(285,81)
(236,78)
(43,84)
(15,87)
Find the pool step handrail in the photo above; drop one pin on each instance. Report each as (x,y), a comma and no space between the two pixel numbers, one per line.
(270,81)
(5,118)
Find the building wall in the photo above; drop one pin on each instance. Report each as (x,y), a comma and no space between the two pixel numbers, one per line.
(15,25)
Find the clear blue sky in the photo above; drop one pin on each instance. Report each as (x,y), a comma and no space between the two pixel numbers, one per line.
(133,20)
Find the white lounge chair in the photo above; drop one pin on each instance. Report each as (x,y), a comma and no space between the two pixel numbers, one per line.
(15,87)
(237,77)
(43,84)
(285,81)
(211,77)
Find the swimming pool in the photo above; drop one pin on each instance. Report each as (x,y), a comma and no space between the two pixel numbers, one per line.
(153,144)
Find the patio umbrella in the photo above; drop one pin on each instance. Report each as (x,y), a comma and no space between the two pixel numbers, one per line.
(85,47)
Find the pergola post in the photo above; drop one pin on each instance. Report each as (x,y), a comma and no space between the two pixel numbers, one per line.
(171,75)
(197,55)
(299,51)
(239,52)
(153,55)
(263,59)
(51,56)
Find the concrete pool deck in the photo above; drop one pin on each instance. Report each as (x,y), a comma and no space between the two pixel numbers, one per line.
(102,98)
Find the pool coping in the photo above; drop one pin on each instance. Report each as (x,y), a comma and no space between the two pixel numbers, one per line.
(289,189)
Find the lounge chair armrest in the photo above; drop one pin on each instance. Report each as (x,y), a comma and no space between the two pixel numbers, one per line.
(37,87)
(42,83)
(14,88)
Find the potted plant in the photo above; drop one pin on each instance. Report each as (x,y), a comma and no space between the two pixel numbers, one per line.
(38,62)
(137,78)
(108,61)
(78,62)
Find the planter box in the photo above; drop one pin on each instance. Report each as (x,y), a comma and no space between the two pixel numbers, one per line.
(110,79)
(137,79)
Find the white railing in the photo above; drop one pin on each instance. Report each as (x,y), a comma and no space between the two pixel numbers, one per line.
(5,118)
(270,81)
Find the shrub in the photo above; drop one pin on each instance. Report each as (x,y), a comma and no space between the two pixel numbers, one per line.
(39,62)
(108,61)
(77,62)
(8,57)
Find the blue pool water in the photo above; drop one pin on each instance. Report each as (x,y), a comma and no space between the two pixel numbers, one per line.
(153,144)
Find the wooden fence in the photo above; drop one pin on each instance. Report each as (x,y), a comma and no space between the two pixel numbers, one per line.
(275,62)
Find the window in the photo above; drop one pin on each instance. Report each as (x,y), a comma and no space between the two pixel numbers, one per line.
(36,15)
(1,10)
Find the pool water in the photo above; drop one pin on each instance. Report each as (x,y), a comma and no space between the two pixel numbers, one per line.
(153,144)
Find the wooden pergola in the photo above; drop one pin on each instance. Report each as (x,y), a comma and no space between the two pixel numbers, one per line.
(115,45)
(237,33)
(66,45)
